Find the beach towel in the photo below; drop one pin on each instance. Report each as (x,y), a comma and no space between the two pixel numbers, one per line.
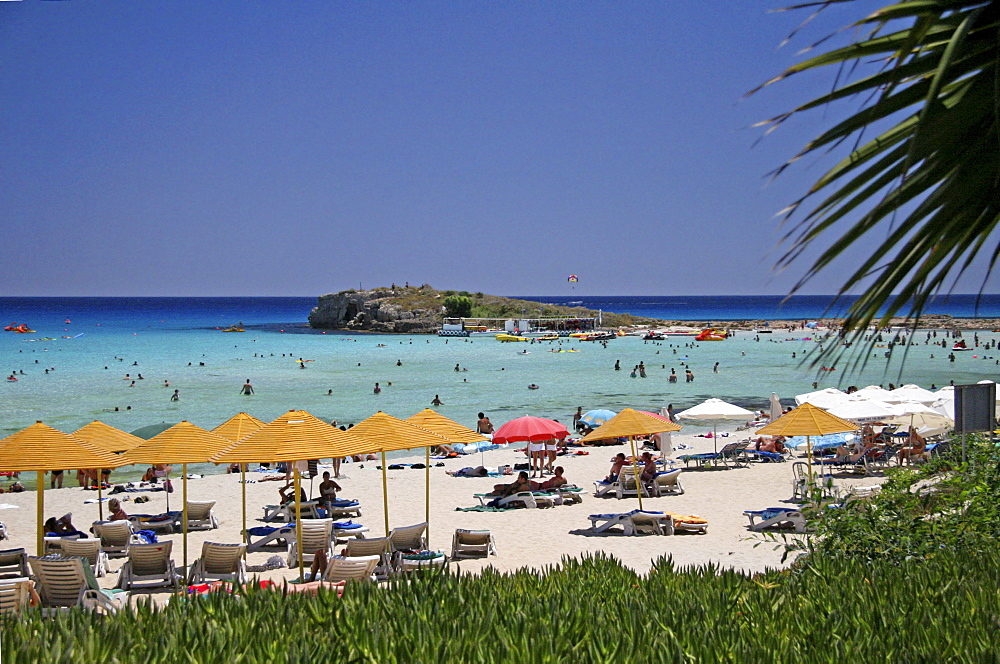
(147,536)
(345,525)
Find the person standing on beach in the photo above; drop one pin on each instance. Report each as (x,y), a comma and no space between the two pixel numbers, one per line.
(247,388)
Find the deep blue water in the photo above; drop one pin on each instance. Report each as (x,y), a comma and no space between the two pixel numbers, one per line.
(766,307)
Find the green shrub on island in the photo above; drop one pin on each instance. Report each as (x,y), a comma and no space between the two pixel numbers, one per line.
(458,305)
(589,610)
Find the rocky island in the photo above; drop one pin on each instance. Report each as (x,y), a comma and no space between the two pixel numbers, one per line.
(422,309)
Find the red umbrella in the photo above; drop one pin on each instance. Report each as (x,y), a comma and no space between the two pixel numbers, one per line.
(530,429)
(656,415)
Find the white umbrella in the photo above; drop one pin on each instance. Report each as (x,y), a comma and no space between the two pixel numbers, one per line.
(863,410)
(923,418)
(824,398)
(876,392)
(716,409)
(776,409)
(910,393)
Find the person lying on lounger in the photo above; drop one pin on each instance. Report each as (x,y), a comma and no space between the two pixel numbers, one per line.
(553,482)
(290,497)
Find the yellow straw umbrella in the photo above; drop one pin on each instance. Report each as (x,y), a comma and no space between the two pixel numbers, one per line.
(390,433)
(295,436)
(445,426)
(236,428)
(42,448)
(182,443)
(807,420)
(109,438)
(628,424)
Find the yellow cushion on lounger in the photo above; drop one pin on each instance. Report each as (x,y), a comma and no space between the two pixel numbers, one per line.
(686,518)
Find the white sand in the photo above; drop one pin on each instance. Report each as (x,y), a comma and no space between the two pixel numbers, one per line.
(525,537)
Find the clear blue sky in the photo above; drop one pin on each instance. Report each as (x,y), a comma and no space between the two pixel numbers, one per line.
(273,148)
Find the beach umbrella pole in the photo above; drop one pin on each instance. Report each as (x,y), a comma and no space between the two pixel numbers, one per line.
(298,522)
(385,496)
(100,504)
(184,514)
(427,490)
(243,483)
(635,464)
(40,509)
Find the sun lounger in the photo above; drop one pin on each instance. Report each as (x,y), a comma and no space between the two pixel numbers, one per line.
(14,562)
(776,517)
(731,452)
(219,562)
(473,544)
(520,499)
(375,546)
(14,594)
(201,516)
(343,509)
(570,493)
(310,510)
(421,560)
(66,582)
(149,563)
(600,523)
(651,523)
(351,568)
(89,549)
(409,538)
(346,530)
(688,523)
(115,536)
(667,484)
(316,536)
(269,536)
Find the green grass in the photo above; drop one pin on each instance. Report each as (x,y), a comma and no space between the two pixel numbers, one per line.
(591,610)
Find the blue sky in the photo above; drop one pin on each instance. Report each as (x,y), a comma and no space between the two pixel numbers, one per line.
(234,148)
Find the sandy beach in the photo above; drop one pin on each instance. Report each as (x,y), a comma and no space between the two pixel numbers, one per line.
(525,537)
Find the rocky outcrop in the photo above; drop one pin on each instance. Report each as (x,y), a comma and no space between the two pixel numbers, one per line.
(373,311)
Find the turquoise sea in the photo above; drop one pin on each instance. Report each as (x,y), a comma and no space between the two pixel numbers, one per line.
(108,342)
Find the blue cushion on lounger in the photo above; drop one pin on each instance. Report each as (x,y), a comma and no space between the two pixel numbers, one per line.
(345,525)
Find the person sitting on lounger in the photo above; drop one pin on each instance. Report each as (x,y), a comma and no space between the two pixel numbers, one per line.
(286,499)
(115,511)
(328,490)
(522,483)
(616,467)
(62,527)
(915,447)
(648,467)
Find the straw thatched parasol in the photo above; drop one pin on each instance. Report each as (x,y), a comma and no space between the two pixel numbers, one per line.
(294,436)
(103,435)
(236,428)
(628,424)
(42,448)
(182,443)
(390,433)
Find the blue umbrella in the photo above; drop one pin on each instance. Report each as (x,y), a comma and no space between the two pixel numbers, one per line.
(595,418)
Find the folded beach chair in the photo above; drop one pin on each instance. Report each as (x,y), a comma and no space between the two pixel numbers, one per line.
(219,562)
(89,549)
(373,546)
(14,594)
(316,536)
(776,517)
(201,516)
(667,484)
(65,582)
(472,544)
(269,536)
(409,538)
(14,562)
(350,568)
(149,563)
(652,523)
(115,536)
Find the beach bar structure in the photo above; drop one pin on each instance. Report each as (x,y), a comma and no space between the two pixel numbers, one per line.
(561,325)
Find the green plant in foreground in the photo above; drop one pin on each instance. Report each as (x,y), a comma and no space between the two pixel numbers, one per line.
(589,610)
